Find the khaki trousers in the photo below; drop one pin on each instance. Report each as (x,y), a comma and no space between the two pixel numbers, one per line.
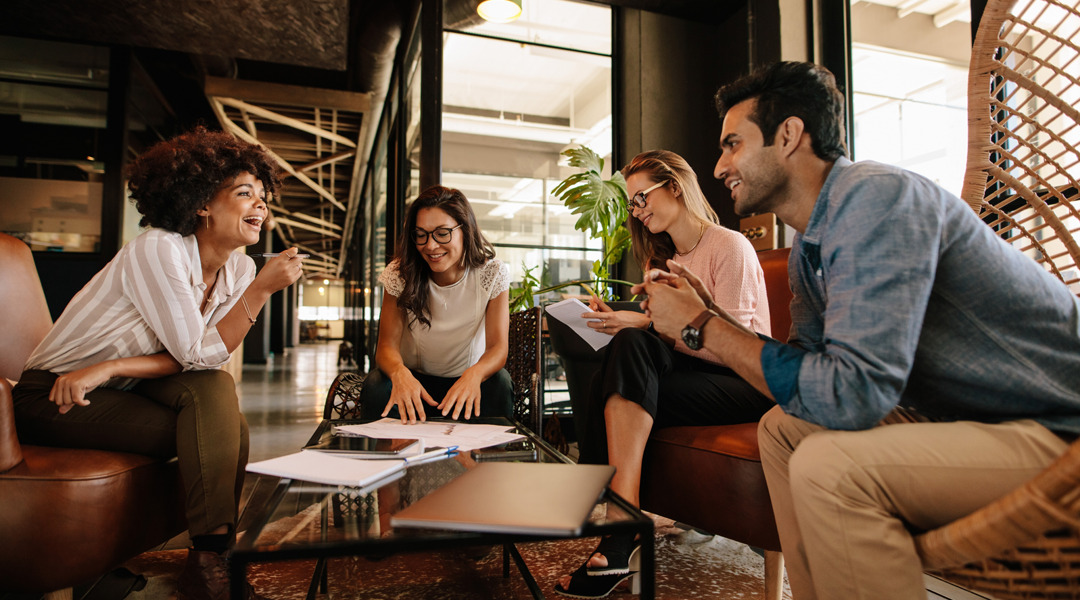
(194,416)
(847,502)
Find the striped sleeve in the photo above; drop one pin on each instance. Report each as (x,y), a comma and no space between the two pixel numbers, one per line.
(156,278)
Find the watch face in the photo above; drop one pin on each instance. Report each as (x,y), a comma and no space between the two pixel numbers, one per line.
(691,337)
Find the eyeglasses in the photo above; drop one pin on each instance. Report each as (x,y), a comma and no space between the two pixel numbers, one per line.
(442,235)
(639,199)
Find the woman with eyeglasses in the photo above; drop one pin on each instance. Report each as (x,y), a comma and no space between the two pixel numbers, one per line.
(445,321)
(647,380)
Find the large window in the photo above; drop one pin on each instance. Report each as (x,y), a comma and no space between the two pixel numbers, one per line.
(909,84)
(514,96)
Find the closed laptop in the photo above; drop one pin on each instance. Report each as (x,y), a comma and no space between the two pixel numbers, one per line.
(524,498)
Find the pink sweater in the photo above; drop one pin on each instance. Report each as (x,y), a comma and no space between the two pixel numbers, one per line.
(726,263)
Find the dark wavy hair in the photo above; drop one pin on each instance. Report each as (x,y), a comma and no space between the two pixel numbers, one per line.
(411,265)
(792,89)
(654,249)
(177,177)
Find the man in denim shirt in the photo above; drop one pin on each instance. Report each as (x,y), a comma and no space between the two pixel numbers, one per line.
(931,368)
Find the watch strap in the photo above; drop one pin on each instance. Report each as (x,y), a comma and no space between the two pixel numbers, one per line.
(700,320)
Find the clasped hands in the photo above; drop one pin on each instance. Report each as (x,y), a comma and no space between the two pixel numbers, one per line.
(673,298)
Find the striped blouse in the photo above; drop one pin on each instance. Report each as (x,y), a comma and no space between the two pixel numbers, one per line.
(144,301)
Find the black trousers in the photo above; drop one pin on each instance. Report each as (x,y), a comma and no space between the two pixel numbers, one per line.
(496,394)
(674,388)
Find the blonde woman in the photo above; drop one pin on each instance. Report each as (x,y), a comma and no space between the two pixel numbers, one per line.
(646,380)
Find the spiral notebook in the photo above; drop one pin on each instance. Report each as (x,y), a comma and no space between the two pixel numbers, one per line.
(497,497)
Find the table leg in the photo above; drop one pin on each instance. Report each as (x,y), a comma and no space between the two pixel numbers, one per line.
(525,574)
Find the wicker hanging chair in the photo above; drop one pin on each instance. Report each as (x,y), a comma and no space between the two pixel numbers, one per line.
(1022,171)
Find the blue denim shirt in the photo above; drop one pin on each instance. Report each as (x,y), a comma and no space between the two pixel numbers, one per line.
(904,296)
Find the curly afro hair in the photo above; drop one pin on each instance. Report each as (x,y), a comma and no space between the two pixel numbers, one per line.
(177,177)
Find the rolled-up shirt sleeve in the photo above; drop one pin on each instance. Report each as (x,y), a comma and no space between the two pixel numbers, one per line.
(158,281)
(876,267)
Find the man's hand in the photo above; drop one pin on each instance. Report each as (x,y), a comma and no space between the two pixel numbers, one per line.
(671,305)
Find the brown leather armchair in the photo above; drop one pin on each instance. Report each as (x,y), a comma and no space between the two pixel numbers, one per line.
(68,515)
(710,477)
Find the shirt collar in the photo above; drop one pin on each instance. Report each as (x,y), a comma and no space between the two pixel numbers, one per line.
(195,265)
(815,227)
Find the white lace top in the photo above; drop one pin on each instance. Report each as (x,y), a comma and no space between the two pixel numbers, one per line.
(456,338)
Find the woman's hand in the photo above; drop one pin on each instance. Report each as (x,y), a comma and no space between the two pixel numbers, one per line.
(70,388)
(608,321)
(280,272)
(408,395)
(464,396)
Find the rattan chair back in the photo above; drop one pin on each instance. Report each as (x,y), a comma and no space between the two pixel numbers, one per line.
(523,362)
(1022,170)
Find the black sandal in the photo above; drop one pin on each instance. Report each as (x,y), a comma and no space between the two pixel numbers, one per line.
(619,550)
(582,585)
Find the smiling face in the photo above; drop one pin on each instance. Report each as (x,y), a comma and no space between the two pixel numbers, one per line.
(662,208)
(236,212)
(444,259)
(749,168)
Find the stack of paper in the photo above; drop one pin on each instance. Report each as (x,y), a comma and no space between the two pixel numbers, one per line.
(569,311)
(321,467)
(466,436)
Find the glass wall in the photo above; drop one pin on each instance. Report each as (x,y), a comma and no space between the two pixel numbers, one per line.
(53,108)
(909,86)
(514,96)
(911,111)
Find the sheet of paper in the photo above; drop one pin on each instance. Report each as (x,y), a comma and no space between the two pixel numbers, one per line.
(466,436)
(321,467)
(569,311)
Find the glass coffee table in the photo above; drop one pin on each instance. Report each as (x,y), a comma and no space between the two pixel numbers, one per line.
(296,519)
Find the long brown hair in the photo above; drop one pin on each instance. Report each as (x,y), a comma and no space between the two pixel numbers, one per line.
(415,272)
(654,249)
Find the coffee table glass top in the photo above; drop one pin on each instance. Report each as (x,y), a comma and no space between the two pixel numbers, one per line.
(294,519)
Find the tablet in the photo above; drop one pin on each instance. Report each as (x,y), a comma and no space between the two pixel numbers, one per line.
(351,444)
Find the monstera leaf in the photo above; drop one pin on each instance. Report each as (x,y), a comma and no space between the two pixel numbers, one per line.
(600,204)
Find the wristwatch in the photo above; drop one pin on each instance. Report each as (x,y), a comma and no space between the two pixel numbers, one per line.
(693,334)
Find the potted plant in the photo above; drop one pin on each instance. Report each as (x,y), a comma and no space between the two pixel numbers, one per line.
(601,208)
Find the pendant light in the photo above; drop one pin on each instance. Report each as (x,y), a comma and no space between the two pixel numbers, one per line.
(499,11)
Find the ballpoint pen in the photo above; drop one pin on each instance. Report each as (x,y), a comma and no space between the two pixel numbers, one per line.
(273,254)
(431,456)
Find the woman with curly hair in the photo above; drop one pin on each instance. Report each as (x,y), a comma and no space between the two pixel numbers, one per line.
(132,363)
(445,322)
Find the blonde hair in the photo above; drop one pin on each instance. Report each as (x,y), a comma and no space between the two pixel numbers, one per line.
(654,249)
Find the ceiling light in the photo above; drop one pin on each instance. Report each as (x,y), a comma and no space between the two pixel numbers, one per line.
(499,11)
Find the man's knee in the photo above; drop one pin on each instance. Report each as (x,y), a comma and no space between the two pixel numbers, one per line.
(821,466)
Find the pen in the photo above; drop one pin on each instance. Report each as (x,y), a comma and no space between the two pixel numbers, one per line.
(430,456)
(273,254)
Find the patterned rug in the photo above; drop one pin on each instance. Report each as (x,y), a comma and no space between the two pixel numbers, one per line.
(689,566)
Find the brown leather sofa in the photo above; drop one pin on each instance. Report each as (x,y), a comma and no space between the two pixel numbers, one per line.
(67,516)
(710,477)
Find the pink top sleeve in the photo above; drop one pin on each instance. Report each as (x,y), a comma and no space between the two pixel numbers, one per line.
(726,263)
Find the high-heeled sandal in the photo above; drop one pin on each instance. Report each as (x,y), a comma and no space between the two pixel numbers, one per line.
(619,550)
(584,585)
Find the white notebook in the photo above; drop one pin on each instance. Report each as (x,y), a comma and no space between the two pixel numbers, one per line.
(322,467)
(528,498)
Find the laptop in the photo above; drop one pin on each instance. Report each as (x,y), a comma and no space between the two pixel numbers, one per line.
(521,498)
